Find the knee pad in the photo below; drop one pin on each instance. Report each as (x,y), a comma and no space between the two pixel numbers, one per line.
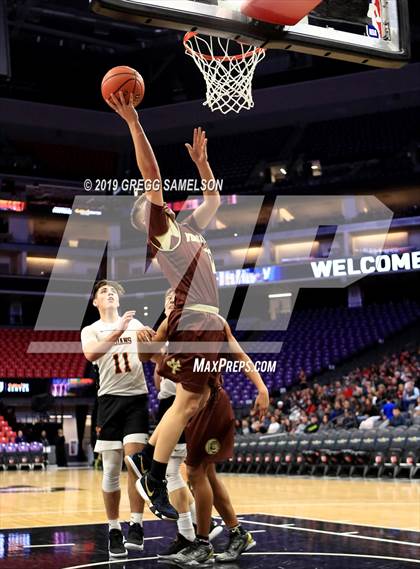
(112,464)
(173,475)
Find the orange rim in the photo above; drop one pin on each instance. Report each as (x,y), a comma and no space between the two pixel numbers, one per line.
(190,35)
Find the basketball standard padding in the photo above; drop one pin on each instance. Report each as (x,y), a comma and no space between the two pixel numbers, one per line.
(125,79)
(281,12)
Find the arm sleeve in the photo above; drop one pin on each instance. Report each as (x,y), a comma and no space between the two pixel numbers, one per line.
(190,220)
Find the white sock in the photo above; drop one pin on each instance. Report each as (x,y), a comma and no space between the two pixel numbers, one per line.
(193,513)
(114,524)
(185,526)
(136,519)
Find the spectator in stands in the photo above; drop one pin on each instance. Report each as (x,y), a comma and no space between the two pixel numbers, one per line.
(325,423)
(369,396)
(415,413)
(302,425)
(60,448)
(245,427)
(274,425)
(258,427)
(337,411)
(387,408)
(310,407)
(313,425)
(347,420)
(20,438)
(410,395)
(295,414)
(43,439)
(397,418)
(381,392)
(272,406)
(400,391)
(370,409)
(348,390)
(347,406)
(302,379)
(368,414)
(285,425)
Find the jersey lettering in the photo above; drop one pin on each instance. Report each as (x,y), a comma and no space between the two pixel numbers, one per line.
(116,358)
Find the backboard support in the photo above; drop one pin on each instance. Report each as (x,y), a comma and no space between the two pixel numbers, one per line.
(368,32)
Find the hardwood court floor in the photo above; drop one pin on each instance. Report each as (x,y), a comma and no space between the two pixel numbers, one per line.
(73,496)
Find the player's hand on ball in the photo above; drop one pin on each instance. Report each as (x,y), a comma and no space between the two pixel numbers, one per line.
(262,402)
(198,150)
(126,111)
(146,334)
(126,319)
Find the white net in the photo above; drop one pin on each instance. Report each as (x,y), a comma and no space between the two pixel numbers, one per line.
(228,68)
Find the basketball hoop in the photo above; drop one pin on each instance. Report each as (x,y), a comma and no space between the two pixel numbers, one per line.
(228,75)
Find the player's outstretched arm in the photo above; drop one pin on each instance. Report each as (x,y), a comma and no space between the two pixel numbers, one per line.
(146,159)
(263,398)
(198,153)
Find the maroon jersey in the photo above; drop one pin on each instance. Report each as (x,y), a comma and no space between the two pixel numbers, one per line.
(184,257)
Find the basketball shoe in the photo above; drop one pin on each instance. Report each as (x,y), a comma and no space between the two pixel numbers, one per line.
(155,493)
(179,543)
(135,537)
(239,541)
(198,553)
(116,546)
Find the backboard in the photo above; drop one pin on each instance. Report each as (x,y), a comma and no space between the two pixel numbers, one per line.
(369,32)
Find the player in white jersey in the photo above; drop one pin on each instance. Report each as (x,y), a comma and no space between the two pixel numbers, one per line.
(123,418)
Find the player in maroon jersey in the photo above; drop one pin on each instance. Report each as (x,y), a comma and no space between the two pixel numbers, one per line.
(210,439)
(187,263)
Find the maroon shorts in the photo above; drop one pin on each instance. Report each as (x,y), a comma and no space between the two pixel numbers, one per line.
(210,434)
(184,328)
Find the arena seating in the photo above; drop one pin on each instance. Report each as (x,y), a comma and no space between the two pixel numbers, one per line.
(319,338)
(372,453)
(7,434)
(22,455)
(315,340)
(17,363)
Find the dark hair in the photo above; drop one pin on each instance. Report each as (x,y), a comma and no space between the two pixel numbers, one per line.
(104,282)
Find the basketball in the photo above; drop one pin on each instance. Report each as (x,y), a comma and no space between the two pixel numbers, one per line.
(125,79)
